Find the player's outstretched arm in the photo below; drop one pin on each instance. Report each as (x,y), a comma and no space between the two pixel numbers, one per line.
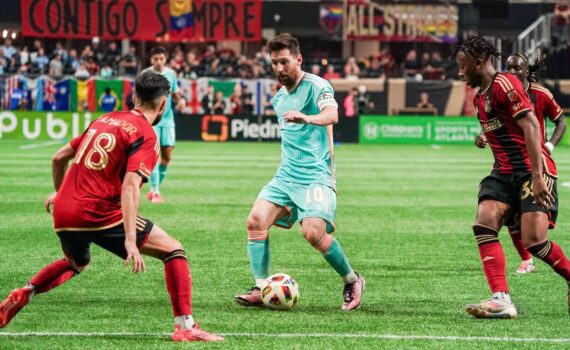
(130,195)
(328,116)
(532,137)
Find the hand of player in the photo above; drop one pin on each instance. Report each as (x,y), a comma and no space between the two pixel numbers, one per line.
(481,141)
(49,202)
(295,117)
(134,255)
(540,192)
(180,104)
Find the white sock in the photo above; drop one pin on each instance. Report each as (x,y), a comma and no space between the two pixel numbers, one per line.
(33,288)
(502,296)
(350,278)
(184,321)
(259,282)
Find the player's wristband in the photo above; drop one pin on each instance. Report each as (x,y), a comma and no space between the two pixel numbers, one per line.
(549,146)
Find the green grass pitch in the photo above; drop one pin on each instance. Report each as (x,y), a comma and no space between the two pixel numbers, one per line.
(404,219)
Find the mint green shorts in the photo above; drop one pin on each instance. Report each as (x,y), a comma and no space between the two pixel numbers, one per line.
(166,135)
(301,201)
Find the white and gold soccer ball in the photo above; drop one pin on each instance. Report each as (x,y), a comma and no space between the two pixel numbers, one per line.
(280,292)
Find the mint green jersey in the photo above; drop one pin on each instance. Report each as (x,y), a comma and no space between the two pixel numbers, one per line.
(307,149)
(170,75)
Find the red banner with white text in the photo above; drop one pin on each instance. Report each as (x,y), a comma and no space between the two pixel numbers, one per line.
(167,20)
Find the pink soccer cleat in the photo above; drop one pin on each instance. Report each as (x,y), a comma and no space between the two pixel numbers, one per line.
(149,196)
(194,334)
(526,266)
(252,298)
(353,294)
(12,304)
(156,198)
(492,308)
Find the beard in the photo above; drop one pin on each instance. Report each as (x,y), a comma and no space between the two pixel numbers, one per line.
(286,79)
(157,120)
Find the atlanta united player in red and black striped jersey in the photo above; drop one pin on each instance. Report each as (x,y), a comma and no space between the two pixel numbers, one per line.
(523,178)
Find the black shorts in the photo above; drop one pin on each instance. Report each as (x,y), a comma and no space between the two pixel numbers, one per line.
(516,191)
(75,244)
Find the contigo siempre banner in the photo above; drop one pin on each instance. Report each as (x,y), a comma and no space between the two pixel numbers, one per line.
(168,20)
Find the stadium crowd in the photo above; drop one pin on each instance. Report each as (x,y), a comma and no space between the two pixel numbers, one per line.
(105,60)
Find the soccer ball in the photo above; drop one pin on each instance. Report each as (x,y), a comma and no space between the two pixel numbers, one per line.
(280,292)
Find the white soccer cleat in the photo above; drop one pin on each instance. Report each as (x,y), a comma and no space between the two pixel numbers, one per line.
(526,266)
(492,308)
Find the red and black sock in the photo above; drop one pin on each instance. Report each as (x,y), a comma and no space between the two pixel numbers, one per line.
(493,258)
(178,282)
(516,237)
(552,254)
(53,275)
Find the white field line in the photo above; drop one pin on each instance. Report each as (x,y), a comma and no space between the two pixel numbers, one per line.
(38,145)
(301,335)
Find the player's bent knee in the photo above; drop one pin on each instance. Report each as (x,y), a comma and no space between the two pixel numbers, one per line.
(175,254)
(77,266)
(485,234)
(254,223)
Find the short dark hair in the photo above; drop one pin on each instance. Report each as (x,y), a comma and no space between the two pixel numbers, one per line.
(150,86)
(157,51)
(477,47)
(284,41)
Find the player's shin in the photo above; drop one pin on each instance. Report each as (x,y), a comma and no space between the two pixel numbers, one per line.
(162,170)
(51,276)
(179,285)
(155,180)
(492,257)
(334,255)
(258,252)
(516,237)
(551,253)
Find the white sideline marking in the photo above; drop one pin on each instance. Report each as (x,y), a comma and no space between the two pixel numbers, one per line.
(38,145)
(300,335)
(566,184)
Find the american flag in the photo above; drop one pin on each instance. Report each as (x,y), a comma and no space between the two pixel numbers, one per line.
(10,85)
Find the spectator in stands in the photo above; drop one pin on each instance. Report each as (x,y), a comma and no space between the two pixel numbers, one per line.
(108,101)
(228,72)
(208,100)
(363,101)
(72,62)
(387,62)
(35,48)
(41,61)
(8,49)
(187,72)
(130,62)
(18,98)
(411,65)
(56,66)
(219,105)
(351,69)
(257,71)
(209,55)
(82,73)
(247,105)
(97,49)
(235,100)
(3,63)
(374,69)
(112,55)
(349,103)
(106,71)
(330,73)
(561,23)
(316,69)
(213,69)
(424,101)
(267,105)
(59,49)
(87,53)
(23,55)
(91,66)
(191,60)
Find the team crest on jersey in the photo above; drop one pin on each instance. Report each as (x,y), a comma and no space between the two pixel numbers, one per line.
(487,106)
(491,124)
(512,95)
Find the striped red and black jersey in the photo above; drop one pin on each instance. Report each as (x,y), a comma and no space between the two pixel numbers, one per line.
(544,105)
(498,109)
(89,198)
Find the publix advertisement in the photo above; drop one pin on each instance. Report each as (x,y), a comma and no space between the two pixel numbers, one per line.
(379,129)
(43,125)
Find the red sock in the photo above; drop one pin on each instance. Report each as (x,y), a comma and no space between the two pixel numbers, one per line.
(179,285)
(518,243)
(51,276)
(552,254)
(493,258)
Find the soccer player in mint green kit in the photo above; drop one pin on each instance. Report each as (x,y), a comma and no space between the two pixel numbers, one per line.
(165,129)
(304,187)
